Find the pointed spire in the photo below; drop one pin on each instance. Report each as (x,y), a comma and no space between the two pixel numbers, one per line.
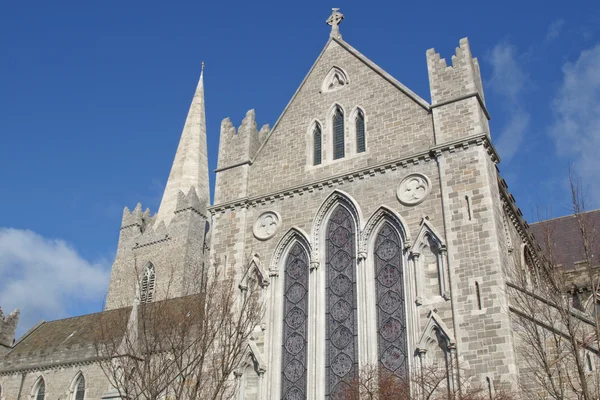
(190,167)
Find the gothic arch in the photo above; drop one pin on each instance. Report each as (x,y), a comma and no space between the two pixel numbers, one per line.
(293,241)
(311,143)
(335,79)
(329,204)
(38,391)
(330,137)
(285,243)
(429,238)
(353,138)
(382,214)
(75,390)
(148,283)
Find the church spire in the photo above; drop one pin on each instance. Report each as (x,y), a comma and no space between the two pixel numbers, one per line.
(190,167)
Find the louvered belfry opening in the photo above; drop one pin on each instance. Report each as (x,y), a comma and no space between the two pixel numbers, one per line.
(341,331)
(80,389)
(295,324)
(338,134)
(147,285)
(317,140)
(391,313)
(360,132)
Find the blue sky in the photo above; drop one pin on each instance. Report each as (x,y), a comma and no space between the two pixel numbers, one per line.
(93,96)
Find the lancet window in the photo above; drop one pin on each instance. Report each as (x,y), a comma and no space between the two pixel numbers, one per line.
(391,314)
(341,333)
(360,131)
(40,393)
(80,388)
(295,328)
(147,284)
(338,133)
(317,140)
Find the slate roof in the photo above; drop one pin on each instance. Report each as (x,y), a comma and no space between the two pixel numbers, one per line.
(62,341)
(71,340)
(567,242)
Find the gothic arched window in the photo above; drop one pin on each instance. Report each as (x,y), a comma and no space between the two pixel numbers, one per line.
(360,132)
(80,388)
(147,286)
(40,391)
(295,324)
(338,133)
(391,315)
(340,262)
(317,144)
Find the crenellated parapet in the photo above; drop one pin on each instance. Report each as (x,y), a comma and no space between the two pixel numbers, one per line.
(8,327)
(460,78)
(241,145)
(457,99)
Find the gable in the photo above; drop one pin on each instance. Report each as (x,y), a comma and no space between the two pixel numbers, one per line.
(397,122)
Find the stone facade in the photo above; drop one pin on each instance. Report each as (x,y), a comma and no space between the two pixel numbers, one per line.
(427,174)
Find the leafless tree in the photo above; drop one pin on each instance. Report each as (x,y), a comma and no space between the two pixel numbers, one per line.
(427,383)
(181,348)
(556,341)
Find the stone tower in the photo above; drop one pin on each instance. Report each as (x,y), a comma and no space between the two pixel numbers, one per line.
(161,252)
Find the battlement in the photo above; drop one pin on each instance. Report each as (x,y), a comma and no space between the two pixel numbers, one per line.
(8,327)
(191,201)
(459,79)
(241,145)
(137,218)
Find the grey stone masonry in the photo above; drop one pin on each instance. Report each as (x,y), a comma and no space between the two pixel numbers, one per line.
(8,327)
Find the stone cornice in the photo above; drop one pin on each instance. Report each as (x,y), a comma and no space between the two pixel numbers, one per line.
(480,139)
(51,365)
(464,97)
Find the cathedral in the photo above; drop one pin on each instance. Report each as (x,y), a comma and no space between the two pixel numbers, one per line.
(377,220)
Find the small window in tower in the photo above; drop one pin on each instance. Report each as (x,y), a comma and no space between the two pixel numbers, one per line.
(317,145)
(590,364)
(338,134)
(360,132)
(147,285)
(478,294)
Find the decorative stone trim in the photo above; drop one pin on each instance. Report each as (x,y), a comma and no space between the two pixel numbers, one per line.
(413,189)
(267,225)
(139,246)
(382,213)
(481,139)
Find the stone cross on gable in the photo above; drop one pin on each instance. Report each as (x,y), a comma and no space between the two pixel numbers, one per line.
(334,20)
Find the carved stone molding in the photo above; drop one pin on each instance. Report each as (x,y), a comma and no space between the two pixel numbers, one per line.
(413,189)
(266,225)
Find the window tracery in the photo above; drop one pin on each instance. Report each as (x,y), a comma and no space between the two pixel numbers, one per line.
(295,326)
(341,341)
(391,314)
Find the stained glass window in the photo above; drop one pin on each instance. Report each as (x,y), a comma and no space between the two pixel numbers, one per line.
(341,345)
(317,144)
(147,286)
(391,317)
(80,389)
(338,134)
(295,329)
(360,132)
(41,391)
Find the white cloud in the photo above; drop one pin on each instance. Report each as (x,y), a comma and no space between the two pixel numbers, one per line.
(554,30)
(576,108)
(44,277)
(508,81)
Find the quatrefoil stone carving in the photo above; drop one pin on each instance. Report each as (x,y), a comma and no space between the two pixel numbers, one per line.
(267,225)
(413,189)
